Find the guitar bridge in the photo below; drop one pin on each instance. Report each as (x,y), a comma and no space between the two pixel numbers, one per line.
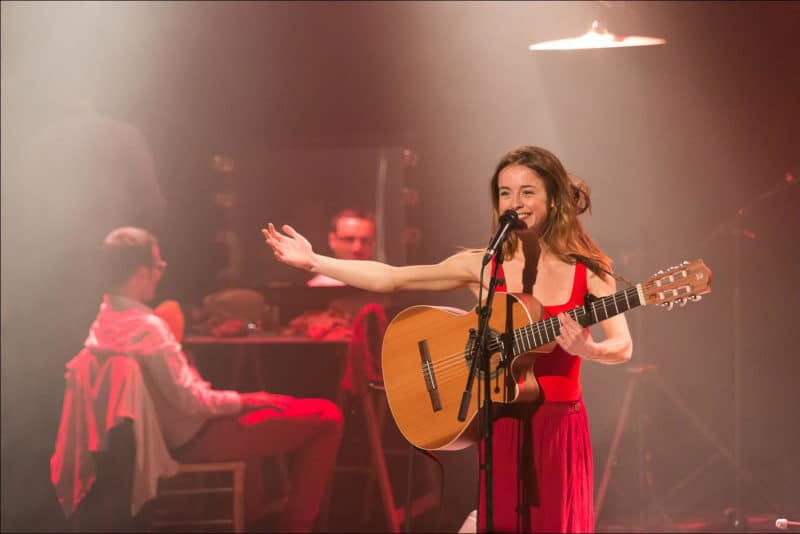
(428,374)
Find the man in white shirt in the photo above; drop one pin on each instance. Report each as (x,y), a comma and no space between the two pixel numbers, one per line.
(200,423)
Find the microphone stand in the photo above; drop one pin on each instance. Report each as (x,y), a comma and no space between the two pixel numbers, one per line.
(481,356)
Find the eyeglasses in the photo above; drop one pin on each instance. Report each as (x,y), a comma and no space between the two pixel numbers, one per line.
(353,239)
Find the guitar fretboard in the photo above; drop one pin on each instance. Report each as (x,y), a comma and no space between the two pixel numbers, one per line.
(545,331)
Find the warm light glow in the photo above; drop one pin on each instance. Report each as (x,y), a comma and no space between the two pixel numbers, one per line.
(597,38)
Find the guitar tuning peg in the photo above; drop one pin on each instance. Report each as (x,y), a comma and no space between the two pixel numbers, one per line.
(695,298)
(685,262)
(667,305)
(658,273)
(682,302)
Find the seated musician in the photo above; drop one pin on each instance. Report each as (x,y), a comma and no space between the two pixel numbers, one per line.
(200,424)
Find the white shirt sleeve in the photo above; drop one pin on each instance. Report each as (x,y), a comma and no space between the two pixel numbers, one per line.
(163,361)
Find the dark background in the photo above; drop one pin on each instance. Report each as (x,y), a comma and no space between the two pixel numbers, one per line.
(673,140)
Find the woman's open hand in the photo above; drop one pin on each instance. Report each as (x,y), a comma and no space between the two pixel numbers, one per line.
(292,249)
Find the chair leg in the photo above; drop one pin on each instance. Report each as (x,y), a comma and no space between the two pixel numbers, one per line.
(408,516)
(371,475)
(238,498)
(379,464)
(380,407)
(325,510)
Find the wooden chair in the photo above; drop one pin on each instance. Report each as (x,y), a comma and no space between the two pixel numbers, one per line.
(206,497)
(201,497)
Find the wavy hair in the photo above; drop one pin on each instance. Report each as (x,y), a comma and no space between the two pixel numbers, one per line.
(562,231)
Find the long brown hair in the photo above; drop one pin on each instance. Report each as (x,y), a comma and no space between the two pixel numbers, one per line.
(562,231)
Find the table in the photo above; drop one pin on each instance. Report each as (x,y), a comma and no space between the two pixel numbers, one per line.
(287,364)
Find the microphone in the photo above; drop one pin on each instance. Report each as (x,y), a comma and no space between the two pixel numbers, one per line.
(784,523)
(509,220)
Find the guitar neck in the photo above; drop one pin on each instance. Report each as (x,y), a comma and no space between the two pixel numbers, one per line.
(545,331)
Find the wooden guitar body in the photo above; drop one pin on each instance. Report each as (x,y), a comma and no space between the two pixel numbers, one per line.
(446,334)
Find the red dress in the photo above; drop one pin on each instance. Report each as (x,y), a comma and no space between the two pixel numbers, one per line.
(542,455)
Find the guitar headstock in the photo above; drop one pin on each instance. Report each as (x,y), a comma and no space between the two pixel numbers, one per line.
(678,285)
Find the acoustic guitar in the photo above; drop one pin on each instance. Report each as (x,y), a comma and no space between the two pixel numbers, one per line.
(427,352)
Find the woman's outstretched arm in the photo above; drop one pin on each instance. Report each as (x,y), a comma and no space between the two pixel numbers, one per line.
(293,249)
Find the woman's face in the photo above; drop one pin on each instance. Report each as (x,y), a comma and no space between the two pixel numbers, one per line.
(522,190)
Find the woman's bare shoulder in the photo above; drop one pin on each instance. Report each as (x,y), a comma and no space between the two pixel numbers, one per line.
(600,285)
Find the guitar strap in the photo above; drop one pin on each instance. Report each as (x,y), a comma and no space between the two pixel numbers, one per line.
(531,269)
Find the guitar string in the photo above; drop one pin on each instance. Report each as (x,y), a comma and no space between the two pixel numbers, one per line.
(549,324)
(456,359)
(532,329)
(452,366)
(453,369)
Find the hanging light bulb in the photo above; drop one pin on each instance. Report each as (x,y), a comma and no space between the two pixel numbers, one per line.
(597,37)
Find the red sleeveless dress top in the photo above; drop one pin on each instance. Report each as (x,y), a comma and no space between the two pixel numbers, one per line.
(559,372)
